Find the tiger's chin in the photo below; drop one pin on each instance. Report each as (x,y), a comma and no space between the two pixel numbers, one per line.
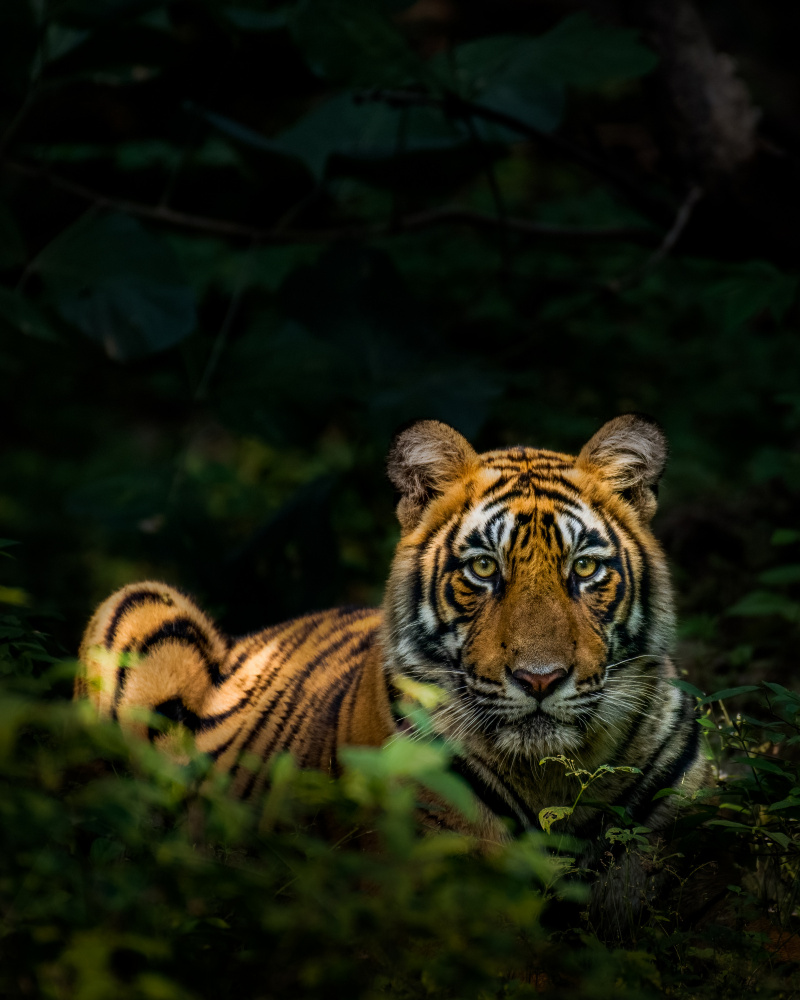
(538,735)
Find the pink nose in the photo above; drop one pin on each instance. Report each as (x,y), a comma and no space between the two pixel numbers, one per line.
(540,685)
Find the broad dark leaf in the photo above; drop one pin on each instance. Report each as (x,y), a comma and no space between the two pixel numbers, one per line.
(526,77)
(502,73)
(751,288)
(353,42)
(370,130)
(586,53)
(119,284)
(23,315)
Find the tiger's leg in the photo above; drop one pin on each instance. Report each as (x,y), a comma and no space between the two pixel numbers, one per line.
(150,647)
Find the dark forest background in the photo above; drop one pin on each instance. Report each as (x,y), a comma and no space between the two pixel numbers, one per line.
(242,244)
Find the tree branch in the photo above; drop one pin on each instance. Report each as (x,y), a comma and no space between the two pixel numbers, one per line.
(682,217)
(659,208)
(278,235)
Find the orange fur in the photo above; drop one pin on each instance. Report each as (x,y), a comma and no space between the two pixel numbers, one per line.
(534,660)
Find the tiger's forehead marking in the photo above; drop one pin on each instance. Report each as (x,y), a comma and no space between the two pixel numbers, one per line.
(520,494)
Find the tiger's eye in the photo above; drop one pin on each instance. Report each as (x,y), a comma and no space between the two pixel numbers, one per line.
(484,567)
(585,567)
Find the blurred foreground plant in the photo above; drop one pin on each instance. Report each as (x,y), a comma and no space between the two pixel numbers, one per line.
(126,874)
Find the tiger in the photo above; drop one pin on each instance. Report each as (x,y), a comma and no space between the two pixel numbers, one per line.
(527,588)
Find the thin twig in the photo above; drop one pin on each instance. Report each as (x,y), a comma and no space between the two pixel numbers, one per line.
(497,198)
(448,215)
(675,232)
(222,336)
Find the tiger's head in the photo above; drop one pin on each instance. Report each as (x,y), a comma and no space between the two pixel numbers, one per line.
(528,585)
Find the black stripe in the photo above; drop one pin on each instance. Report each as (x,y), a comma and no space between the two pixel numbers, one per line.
(175,710)
(295,684)
(297,694)
(121,678)
(651,779)
(188,634)
(134,600)
(516,810)
(211,721)
(218,751)
(687,757)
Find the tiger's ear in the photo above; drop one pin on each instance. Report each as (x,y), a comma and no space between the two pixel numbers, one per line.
(630,453)
(423,461)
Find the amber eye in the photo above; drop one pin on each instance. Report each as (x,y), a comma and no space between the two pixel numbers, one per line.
(484,567)
(585,567)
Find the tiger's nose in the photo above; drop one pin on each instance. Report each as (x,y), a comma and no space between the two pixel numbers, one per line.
(540,685)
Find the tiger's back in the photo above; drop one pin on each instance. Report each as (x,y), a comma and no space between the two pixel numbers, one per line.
(306,686)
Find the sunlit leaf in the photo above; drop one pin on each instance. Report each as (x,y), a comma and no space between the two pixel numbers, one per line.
(552,814)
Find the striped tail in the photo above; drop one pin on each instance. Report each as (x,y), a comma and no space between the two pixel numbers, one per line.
(150,647)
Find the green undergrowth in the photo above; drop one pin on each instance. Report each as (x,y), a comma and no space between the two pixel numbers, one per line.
(124,874)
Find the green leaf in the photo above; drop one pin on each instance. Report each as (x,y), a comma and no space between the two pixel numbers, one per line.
(526,77)
(780,575)
(779,689)
(552,814)
(17,596)
(762,603)
(665,792)
(584,52)
(502,73)
(686,686)
(729,693)
(366,131)
(453,789)
(763,765)
(21,314)
(785,536)
(247,19)
(353,42)
(60,40)
(119,284)
(346,127)
(779,838)
(792,802)
(752,288)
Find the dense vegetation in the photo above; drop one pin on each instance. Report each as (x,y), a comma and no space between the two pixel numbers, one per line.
(240,245)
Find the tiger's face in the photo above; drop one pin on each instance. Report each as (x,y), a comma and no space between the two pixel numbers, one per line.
(528,585)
